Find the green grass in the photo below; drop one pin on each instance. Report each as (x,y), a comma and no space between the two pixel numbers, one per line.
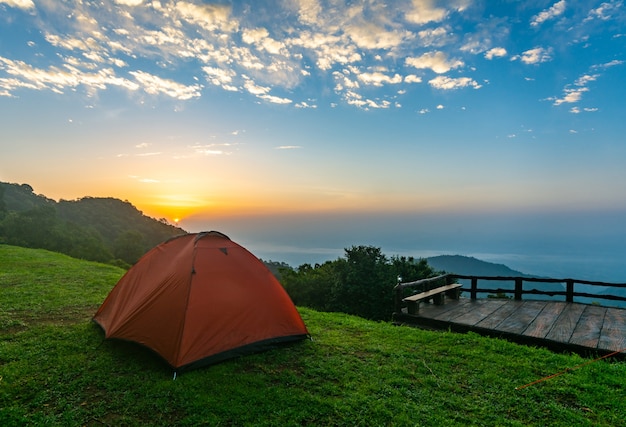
(56,370)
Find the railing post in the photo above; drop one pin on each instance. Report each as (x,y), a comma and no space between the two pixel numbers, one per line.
(398,295)
(518,288)
(569,291)
(474,286)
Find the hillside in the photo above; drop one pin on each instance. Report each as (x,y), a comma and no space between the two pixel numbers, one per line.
(100,229)
(55,369)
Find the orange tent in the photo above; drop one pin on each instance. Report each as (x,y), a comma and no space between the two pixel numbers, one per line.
(198,299)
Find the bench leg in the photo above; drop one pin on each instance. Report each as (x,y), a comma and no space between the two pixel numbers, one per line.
(412,307)
(439,299)
(454,294)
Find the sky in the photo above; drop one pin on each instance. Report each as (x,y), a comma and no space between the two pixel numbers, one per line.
(308,126)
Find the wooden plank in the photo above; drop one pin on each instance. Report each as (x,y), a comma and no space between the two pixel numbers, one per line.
(587,331)
(431,293)
(477,310)
(444,312)
(544,322)
(613,333)
(579,325)
(499,315)
(565,324)
(521,318)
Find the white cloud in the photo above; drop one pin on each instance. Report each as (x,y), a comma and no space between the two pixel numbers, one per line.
(496,52)
(260,38)
(571,96)
(129,2)
(438,37)
(155,85)
(220,77)
(609,64)
(359,46)
(555,10)
(605,10)
(424,11)
(287,147)
(20,4)
(583,80)
(276,99)
(255,89)
(448,83)
(209,17)
(379,79)
(368,35)
(534,56)
(412,78)
(436,61)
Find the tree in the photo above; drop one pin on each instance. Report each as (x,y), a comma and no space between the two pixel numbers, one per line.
(129,246)
(310,286)
(361,283)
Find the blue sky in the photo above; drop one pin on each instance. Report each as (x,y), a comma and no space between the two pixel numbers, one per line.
(309,112)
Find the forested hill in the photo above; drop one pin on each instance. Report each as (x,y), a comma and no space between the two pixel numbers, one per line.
(471,266)
(98,229)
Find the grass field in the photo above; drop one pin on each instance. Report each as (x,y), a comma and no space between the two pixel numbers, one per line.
(56,369)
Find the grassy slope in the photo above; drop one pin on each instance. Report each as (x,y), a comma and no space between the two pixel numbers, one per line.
(55,369)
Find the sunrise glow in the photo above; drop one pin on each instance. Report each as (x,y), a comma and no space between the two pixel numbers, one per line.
(353,117)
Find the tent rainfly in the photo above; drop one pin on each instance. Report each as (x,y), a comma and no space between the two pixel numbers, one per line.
(198,299)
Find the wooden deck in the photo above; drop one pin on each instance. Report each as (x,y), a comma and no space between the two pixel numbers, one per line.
(562,326)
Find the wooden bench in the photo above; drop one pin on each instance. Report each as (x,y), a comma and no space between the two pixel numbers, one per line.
(437,294)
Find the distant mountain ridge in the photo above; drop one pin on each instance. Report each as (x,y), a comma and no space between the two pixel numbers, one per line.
(471,266)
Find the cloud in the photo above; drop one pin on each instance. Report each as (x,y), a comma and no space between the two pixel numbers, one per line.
(609,64)
(555,10)
(437,37)
(379,79)
(496,52)
(571,96)
(370,36)
(220,77)
(260,38)
(155,85)
(424,11)
(275,99)
(58,79)
(20,4)
(287,147)
(584,79)
(448,83)
(209,17)
(129,2)
(573,93)
(436,61)
(412,78)
(605,11)
(210,149)
(353,51)
(534,56)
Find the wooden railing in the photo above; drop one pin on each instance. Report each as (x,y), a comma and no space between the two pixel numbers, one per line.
(521,285)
